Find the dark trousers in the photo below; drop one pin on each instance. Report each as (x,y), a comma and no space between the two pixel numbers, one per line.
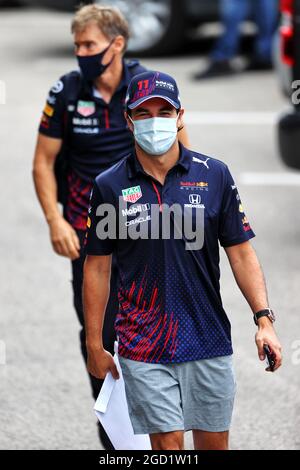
(109,335)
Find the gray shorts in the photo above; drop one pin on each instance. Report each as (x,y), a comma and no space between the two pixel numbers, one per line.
(181,396)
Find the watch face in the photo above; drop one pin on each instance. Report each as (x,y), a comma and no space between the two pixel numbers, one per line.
(271,316)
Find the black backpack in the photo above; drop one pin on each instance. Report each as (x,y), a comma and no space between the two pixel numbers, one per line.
(73,86)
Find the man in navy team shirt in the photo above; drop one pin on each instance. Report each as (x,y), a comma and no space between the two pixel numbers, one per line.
(174,336)
(84,119)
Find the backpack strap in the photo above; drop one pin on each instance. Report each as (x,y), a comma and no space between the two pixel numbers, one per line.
(73,87)
(135,67)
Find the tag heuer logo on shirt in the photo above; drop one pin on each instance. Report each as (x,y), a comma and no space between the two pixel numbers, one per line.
(132,194)
(86,108)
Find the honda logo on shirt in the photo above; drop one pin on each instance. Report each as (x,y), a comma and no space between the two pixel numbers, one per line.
(194,198)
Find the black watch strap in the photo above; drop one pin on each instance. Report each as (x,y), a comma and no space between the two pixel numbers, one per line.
(267,312)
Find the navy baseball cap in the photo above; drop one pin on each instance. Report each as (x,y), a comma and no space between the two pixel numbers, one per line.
(151,84)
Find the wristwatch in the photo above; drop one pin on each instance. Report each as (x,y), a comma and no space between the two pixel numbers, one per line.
(267,312)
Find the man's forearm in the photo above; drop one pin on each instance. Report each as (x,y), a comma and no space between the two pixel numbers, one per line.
(46,189)
(96,286)
(250,279)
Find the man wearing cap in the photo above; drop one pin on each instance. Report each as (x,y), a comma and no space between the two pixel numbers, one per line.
(83,127)
(174,337)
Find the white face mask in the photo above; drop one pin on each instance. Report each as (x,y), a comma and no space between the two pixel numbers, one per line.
(155,135)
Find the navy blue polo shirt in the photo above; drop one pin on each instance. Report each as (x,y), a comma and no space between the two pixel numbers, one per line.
(170,303)
(95,132)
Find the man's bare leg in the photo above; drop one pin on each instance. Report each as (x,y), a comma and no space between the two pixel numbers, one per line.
(167,440)
(210,440)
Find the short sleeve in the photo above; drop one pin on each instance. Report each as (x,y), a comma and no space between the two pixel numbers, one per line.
(100,236)
(234,227)
(52,120)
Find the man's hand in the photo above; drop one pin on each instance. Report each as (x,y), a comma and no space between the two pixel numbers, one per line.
(64,238)
(266,335)
(100,362)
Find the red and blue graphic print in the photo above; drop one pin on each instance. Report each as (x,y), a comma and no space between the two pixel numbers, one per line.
(146,333)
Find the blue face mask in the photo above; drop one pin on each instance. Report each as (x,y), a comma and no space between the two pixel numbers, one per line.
(91,66)
(155,135)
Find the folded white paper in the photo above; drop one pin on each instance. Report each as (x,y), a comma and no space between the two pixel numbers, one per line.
(112,411)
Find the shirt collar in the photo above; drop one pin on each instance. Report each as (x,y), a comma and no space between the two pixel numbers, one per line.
(134,166)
